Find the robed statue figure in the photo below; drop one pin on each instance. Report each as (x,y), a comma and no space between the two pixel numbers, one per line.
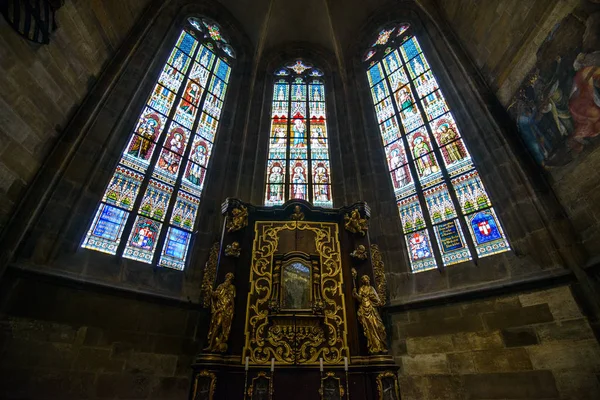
(369,316)
(222,300)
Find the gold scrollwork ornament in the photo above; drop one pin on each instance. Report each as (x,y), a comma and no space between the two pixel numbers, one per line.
(379,273)
(210,271)
(355,224)
(368,316)
(238,219)
(222,303)
(233,250)
(360,252)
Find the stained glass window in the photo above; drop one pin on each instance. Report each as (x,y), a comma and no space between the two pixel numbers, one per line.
(153,197)
(298,162)
(438,190)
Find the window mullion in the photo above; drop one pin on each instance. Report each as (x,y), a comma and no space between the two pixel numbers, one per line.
(309,181)
(288,150)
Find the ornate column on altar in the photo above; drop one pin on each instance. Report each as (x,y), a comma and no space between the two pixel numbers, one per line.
(295,293)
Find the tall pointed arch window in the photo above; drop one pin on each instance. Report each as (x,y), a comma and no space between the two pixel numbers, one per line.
(150,206)
(447,216)
(298,161)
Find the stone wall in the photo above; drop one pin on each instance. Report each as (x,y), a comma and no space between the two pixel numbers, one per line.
(41,86)
(60,342)
(522,346)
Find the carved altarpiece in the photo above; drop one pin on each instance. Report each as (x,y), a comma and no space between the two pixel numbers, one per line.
(294,305)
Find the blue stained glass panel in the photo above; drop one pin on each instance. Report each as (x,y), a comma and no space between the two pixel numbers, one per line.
(379,92)
(222,70)
(390,130)
(487,233)
(451,243)
(105,233)
(392,62)
(150,124)
(410,48)
(123,188)
(417,66)
(298,179)
(316,92)
(419,250)
(322,196)
(161,99)
(142,240)
(185,210)
(137,154)
(175,249)
(298,91)
(179,60)
(275,180)
(411,214)
(187,43)
(170,78)
(375,74)
(207,128)
(205,57)
(217,87)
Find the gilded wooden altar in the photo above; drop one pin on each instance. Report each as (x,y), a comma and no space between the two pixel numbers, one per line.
(303,326)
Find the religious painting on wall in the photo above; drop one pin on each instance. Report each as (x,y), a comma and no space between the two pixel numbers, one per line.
(557,107)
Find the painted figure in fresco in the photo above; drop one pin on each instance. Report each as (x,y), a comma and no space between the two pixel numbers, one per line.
(426,165)
(448,135)
(369,317)
(299,129)
(148,130)
(275,184)
(584,101)
(530,132)
(298,180)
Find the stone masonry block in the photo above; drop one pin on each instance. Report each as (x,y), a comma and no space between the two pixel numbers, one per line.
(429,344)
(577,329)
(441,387)
(461,363)
(581,356)
(577,385)
(514,385)
(425,364)
(560,300)
(466,341)
(155,364)
(445,326)
(502,360)
(525,316)
(515,337)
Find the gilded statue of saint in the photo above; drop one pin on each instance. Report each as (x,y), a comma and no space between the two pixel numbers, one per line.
(369,316)
(222,302)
